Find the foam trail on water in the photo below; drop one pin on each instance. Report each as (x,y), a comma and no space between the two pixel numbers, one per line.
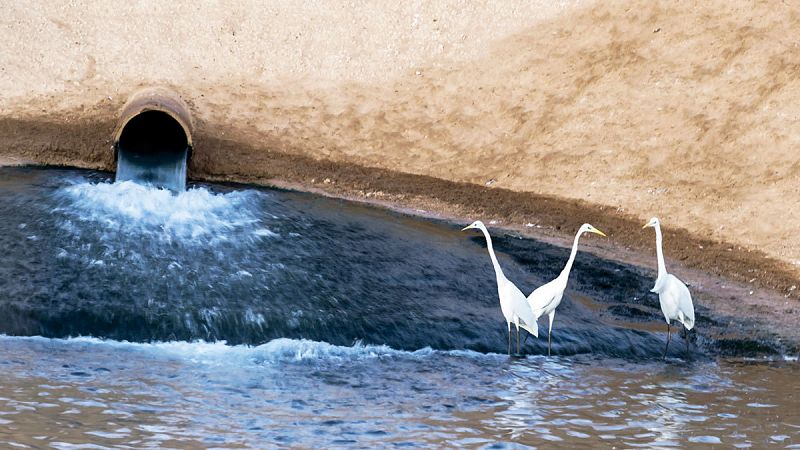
(275,351)
(129,207)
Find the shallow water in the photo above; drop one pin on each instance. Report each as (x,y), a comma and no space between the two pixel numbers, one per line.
(59,393)
(365,328)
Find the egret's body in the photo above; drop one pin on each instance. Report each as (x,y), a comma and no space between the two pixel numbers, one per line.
(674,296)
(546,298)
(512,301)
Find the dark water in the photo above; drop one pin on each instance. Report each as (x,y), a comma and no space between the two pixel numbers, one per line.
(86,257)
(345,326)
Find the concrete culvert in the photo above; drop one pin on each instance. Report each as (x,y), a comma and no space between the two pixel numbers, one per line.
(153,139)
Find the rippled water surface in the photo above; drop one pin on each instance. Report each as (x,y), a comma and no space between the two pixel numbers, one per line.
(59,393)
(345,327)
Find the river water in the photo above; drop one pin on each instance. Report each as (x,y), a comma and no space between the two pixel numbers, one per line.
(229,317)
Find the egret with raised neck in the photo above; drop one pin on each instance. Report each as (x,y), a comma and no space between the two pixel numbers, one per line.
(512,300)
(674,296)
(546,298)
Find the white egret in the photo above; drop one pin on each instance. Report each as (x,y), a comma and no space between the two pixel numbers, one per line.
(674,296)
(546,298)
(512,300)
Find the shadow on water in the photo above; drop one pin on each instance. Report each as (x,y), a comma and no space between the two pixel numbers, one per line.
(82,256)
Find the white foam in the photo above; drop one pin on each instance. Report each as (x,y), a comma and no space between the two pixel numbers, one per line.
(189,215)
(265,233)
(275,351)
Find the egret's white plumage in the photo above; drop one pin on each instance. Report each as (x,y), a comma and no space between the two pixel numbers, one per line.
(674,296)
(512,301)
(546,298)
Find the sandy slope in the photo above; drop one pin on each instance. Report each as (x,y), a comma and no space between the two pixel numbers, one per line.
(685,111)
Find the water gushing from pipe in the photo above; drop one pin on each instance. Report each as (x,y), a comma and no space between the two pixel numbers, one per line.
(153,140)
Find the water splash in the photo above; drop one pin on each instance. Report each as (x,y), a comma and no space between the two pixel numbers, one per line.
(282,350)
(195,215)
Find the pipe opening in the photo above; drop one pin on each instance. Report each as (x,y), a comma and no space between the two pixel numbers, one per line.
(153,133)
(153,140)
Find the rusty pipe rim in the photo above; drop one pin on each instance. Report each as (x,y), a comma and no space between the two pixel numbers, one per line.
(155,99)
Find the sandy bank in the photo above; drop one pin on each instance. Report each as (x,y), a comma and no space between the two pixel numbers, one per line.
(545,113)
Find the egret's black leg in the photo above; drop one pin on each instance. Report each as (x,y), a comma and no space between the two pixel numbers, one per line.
(509,340)
(518,352)
(686,338)
(668,337)
(549,333)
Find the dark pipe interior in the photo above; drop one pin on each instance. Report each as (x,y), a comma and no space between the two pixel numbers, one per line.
(153,132)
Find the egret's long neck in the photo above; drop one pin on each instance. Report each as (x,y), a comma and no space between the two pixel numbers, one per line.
(497,270)
(565,273)
(662,268)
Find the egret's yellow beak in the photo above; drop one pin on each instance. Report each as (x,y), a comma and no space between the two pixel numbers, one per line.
(596,231)
(466,228)
(646,225)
